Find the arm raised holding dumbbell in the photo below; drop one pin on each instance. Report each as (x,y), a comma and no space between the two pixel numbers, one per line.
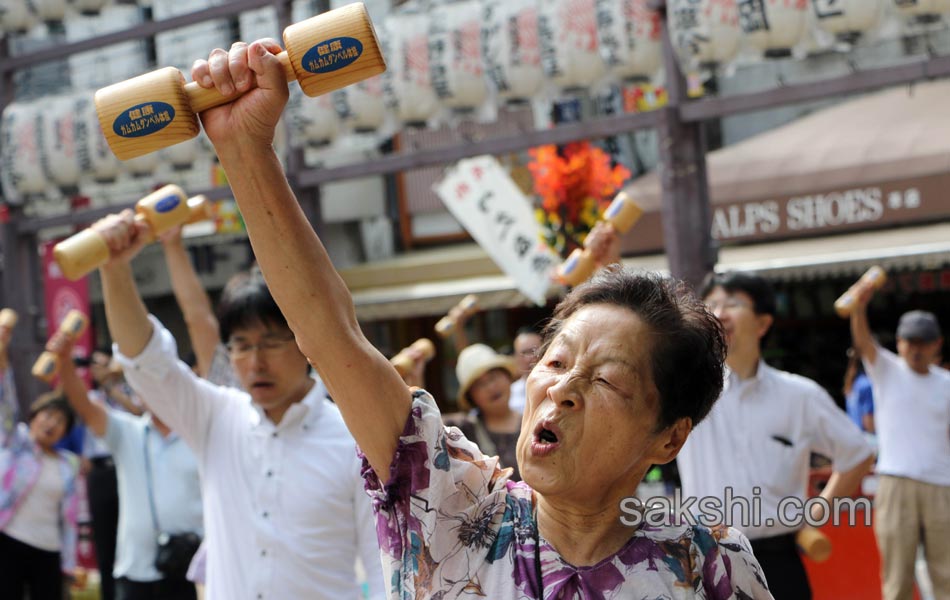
(602,245)
(47,365)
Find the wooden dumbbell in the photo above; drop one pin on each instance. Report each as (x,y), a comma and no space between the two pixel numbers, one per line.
(404,362)
(47,365)
(156,110)
(813,543)
(874,277)
(446,325)
(161,210)
(8,319)
(622,213)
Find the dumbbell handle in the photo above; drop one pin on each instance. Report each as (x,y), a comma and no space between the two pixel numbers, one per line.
(8,319)
(47,365)
(201,99)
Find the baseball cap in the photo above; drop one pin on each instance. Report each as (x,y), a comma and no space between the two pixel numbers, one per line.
(918,325)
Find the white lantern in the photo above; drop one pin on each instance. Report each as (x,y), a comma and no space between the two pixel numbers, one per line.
(926,10)
(773,27)
(511,48)
(142,166)
(568,34)
(66,139)
(103,165)
(88,7)
(628,34)
(15,16)
(21,152)
(455,55)
(259,23)
(184,154)
(361,105)
(313,120)
(847,20)
(705,33)
(407,84)
(49,10)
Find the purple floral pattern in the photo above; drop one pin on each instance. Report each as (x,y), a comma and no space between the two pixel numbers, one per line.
(451,525)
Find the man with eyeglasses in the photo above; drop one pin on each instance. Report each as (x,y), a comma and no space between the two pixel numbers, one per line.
(526,345)
(759,436)
(285,511)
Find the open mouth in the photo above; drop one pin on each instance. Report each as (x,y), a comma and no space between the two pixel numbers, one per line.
(547,438)
(262,385)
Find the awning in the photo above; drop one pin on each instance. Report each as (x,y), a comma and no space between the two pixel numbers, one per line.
(430,282)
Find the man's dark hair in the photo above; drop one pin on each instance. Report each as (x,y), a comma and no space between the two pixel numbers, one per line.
(527,330)
(754,286)
(247,302)
(54,400)
(688,347)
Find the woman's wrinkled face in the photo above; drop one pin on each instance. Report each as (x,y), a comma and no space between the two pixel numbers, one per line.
(48,427)
(590,419)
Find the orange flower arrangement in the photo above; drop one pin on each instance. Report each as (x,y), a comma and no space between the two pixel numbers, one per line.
(575,183)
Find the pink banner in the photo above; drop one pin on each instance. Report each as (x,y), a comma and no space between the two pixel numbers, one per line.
(62,295)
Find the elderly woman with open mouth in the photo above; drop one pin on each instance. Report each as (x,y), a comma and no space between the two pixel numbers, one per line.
(630,364)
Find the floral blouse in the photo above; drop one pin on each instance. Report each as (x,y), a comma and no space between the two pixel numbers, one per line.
(451,524)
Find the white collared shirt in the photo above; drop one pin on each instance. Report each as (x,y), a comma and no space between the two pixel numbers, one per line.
(760,434)
(286,514)
(911,418)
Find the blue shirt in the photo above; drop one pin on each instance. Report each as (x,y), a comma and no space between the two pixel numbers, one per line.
(175,489)
(860,401)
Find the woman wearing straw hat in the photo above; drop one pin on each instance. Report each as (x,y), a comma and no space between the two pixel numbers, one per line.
(630,362)
(484,389)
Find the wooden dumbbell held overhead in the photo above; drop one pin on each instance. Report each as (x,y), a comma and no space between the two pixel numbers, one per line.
(156,110)
(874,277)
(404,362)
(446,325)
(8,319)
(161,210)
(622,213)
(47,365)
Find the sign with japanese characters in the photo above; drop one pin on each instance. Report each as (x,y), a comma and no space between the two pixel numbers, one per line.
(482,197)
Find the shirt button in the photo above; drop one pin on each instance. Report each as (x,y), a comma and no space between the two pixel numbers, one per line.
(259,596)
(265,514)
(270,473)
(273,435)
(263,552)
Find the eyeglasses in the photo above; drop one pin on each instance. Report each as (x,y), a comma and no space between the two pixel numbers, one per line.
(268,347)
(730,303)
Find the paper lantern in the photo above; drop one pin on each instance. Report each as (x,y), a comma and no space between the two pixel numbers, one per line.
(361,105)
(628,35)
(66,139)
(568,36)
(15,16)
(407,84)
(773,27)
(103,165)
(314,121)
(511,48)
(142,166)
(49,10)
(183,155)
(847,20)
(705,33)
(21,152)
(924,10)
(455,55)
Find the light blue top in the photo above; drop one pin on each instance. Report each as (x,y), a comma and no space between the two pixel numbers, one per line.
(175,488)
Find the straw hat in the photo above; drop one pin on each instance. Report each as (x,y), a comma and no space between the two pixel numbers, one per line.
(476,360)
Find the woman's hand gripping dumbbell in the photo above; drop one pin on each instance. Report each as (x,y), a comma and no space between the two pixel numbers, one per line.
(581,264)
(156,110)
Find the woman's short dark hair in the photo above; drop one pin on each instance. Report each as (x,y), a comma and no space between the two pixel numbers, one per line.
(247,302)
(688,349)
(54,400)
(754,286)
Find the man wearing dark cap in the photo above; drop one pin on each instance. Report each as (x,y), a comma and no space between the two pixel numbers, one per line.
(912,419)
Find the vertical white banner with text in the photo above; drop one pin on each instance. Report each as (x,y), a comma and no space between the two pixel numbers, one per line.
(482,197)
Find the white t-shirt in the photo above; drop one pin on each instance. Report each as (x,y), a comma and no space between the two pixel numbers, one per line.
(911,418)
(36,521)
(760,434)
(516,400)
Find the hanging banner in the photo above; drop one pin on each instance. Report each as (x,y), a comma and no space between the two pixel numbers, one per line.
(482,197)
(61,296)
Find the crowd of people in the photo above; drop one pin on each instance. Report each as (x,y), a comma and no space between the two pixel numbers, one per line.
(292,460)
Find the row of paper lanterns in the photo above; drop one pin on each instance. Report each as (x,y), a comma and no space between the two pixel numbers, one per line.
(710,32)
